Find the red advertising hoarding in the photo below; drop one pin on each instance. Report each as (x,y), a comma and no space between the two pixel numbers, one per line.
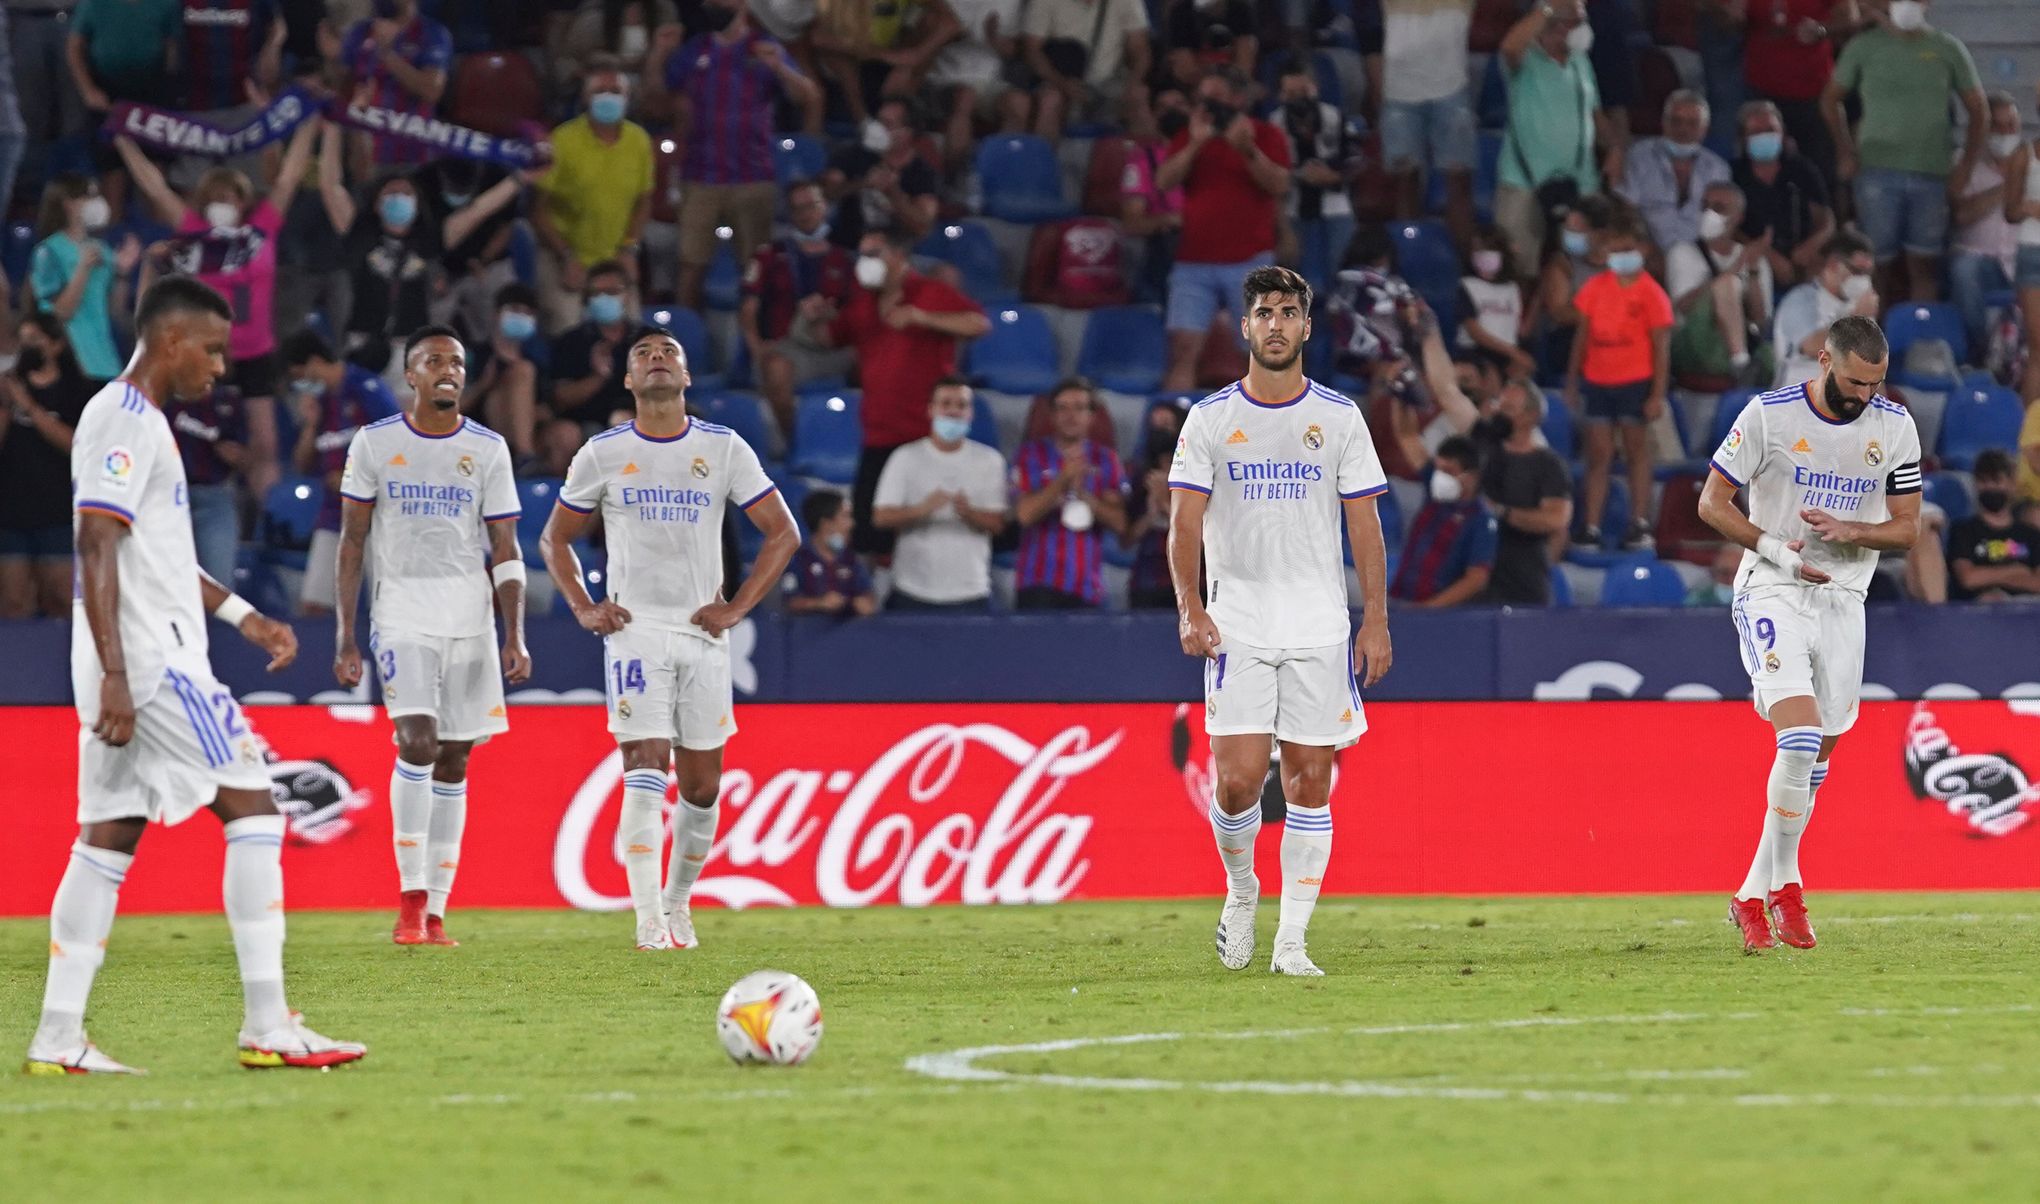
(1000,803)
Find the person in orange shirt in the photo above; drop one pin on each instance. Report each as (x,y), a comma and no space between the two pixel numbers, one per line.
(1620,363)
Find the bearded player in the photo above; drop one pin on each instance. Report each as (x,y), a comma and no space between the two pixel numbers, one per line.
(1833,474)
(661,483)
(159,737)
(423,492)
(1264,473)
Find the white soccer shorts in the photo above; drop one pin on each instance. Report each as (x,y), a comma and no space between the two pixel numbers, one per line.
(190,740)
(458,680)
(1798,641)
(667,685)
(1302,695)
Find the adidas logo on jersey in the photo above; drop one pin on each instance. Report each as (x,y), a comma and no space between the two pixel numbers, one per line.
(398,461)
(628,469)
(1238,436)
(1802,447)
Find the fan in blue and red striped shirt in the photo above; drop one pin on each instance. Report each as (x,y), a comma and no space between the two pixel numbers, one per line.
(227,43)
(1450,552)
(418,41)
(1064,514)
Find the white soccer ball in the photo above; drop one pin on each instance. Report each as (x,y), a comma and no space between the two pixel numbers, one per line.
(770,1016)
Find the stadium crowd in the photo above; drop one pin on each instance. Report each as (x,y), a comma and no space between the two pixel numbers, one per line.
(957,267)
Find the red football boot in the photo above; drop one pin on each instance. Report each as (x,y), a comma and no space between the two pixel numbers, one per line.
(435,932)
(410,929)
(1787,905)
(1748,915)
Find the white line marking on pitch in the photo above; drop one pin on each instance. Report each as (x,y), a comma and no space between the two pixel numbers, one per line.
(961,1066)
(469,1100)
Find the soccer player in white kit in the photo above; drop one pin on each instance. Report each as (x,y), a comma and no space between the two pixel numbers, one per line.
(1264,472)
(424,492)
(158,736)
(1833,474)
(662,482)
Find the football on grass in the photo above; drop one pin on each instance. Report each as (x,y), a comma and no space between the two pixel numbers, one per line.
(770,1016)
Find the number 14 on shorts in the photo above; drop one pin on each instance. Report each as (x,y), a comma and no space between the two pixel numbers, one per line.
(626,676)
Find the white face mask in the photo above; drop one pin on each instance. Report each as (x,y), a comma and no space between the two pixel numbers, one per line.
(632,41)
(1581,39)
(1445,487)
(2003,144)
(95,213)
(877,138)
(1908,15)
(222,215)
(871,271)
(1712,224)
(1855,286)
(1487,263)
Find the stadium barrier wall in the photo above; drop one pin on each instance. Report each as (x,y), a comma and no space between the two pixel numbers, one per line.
(1912,652)
(852,806)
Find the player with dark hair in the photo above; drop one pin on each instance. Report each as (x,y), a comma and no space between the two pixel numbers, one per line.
(662,482)
(1265,471)
(429,487)
(160,737)
(1833,474)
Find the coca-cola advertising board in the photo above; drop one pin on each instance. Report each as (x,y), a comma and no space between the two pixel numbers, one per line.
(854,806)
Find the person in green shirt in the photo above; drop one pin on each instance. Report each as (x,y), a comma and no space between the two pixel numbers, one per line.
(120,50)
(1555,119)
(73,274)
(1903,70)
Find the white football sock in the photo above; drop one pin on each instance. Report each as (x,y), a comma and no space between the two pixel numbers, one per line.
(1306,851)
(81,916)
(693,837)
(410,821)
(449,820)
(1785,853)
(640,830)
(1236,835)
(1785,805)
(253,892)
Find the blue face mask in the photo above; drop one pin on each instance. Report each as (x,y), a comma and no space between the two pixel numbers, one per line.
(398,210)
(951,430)
(515,326)
(1575,243)
(605,308)
(1767,146)
(606,108)
(1626,263)
(1681,150)
(307,388)
(835,543)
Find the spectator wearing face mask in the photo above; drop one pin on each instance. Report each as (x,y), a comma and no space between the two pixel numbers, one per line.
(1982,255)
(1993,556)
(1667,178)
(1788,59)
(1146,211)
(41,400)
(1493,311)
(1903,71)
(884,182)
(1068,491)
(401,57)
(1721,290)
(945,497)
(1576,253)
(1786,197)
(1841,287)
(332,399)
(594,202)
(1555,117)
(588,359)
(793,288)
(1620,370)
(825,577)
(906,331)
(1325,156)
(506,372)
(74,275)
(227,237)
(1448,557)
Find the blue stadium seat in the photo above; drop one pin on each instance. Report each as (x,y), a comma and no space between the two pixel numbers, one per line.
(14,252)
(1642,580)
(1726,411)
(1561,588)
(1018,355)
(741,412)
(984,425)
(968,247)
(1021,179)
(687,326)
(724,286)
(1558,427)
(1977,419)
(1950,491)
(1425,256)
(1484,171)
(538,496)
(799,157)
(1124,349)
(1907,324)
(524,253)
(828,435)
(290,510)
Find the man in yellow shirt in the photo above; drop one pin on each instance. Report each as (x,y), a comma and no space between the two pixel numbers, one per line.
(594,202)
(2028,504)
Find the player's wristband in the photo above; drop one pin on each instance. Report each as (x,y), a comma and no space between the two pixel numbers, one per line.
(1773,549)
(233,610)
(508,571)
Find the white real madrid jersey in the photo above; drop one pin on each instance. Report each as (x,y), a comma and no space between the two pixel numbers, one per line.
(124,463)
(1790,458)
(662,503)
(434,496)
(1277,473)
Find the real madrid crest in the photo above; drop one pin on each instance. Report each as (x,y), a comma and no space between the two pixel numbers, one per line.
(1313,438)
(700,468)
(466,467)
(1873,455)
(623,708)
(1770,662)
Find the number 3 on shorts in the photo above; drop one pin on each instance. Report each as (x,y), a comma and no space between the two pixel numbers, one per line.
(389,665)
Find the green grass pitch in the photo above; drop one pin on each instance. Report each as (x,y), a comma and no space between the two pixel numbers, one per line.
(1562,1049)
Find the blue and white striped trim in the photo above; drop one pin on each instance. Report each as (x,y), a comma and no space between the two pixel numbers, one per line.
(645,779)
(1373,492)
(120,512)
(1799,739)
(1881,402)
(1235,824)
(133,400)
(211,740)
(1820,772)
(1725,474)
(1309,821)
(1221,395)
(413,773)
(1186,485)
(613,432)
(479,429)
(710,428)
(102,869)
(1781,396)
(449,789)
(380,423)
(1353,691)
(1332,395)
